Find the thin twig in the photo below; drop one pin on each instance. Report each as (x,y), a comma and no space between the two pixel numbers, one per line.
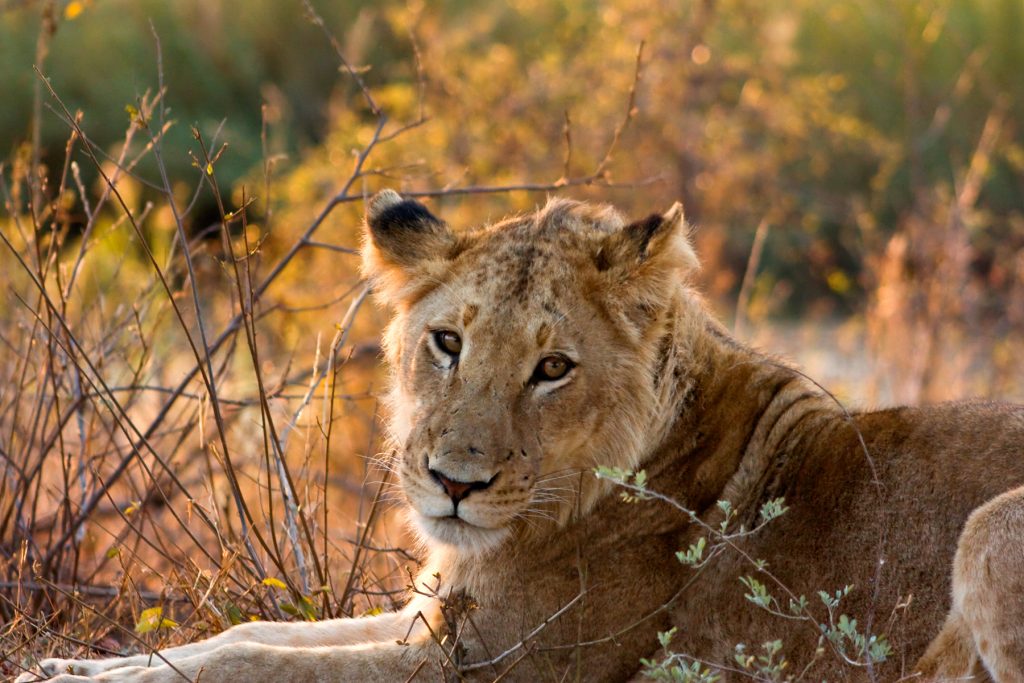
(529,636)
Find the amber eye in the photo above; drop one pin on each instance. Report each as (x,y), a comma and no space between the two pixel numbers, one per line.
(448,341)
(551,368)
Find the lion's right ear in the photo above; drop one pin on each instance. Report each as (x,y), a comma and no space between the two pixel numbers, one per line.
(405,248)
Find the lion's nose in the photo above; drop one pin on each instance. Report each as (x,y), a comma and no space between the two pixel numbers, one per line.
(458,490)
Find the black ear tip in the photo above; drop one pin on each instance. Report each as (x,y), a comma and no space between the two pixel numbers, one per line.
(387,210)
(642,231)
(646,227)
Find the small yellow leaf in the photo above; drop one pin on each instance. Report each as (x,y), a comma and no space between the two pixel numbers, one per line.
(209,169)
(113,552)
(374,612)
(275,583)
(73,9)
(133,508)
(153,619)
(839,282)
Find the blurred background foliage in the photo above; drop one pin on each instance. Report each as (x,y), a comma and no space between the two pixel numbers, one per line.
(854,173)
(836,122)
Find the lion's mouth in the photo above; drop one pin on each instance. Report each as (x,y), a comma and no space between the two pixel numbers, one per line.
(455,530)
(457,521)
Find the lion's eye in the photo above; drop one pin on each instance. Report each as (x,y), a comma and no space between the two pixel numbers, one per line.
(448,341)
(551,368)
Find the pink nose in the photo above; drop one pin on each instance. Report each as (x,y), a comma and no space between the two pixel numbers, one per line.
(458,490)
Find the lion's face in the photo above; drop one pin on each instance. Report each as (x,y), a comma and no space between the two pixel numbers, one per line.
(503,392)
(522,358)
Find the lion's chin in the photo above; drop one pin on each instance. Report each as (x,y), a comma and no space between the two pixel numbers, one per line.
(458,533)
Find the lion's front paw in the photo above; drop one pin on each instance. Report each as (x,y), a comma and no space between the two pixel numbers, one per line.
(65,669)
(79,671)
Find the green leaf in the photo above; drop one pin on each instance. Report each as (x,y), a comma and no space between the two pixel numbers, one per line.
(758,594)
(694,554)
(308,609)
(773,509)
(234,614)
(665,637)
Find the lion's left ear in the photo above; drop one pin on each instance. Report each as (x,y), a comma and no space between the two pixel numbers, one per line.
(653,248)
(646,261)
(405,248)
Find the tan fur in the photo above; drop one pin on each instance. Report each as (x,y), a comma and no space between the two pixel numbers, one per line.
(984,630)
(658,384)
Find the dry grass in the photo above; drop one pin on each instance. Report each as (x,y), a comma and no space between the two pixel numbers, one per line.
(176,459)
(151,456)
(188,413)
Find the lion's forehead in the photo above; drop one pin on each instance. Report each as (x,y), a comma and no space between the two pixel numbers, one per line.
(528,283)
(518,309)
(524,269)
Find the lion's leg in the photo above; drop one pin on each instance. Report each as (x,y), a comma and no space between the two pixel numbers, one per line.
(255,663)
(951,656)
(334,632)
(986,624)
(988,584)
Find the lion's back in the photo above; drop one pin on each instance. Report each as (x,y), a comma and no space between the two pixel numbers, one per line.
(877,502)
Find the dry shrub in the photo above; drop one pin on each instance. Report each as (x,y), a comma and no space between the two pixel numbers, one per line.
(188,427)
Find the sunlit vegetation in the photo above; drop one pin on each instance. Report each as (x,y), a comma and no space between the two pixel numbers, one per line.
(189,362)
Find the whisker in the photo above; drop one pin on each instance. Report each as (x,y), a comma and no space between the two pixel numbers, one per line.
(540,514)
(555,488)
(548,498)
(559,474)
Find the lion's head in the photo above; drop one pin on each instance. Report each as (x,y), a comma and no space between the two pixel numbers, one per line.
(523,355)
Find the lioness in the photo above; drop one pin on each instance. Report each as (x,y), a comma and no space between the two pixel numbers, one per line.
(528,353)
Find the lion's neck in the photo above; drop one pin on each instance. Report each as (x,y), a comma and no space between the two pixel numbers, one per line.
(726,415)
